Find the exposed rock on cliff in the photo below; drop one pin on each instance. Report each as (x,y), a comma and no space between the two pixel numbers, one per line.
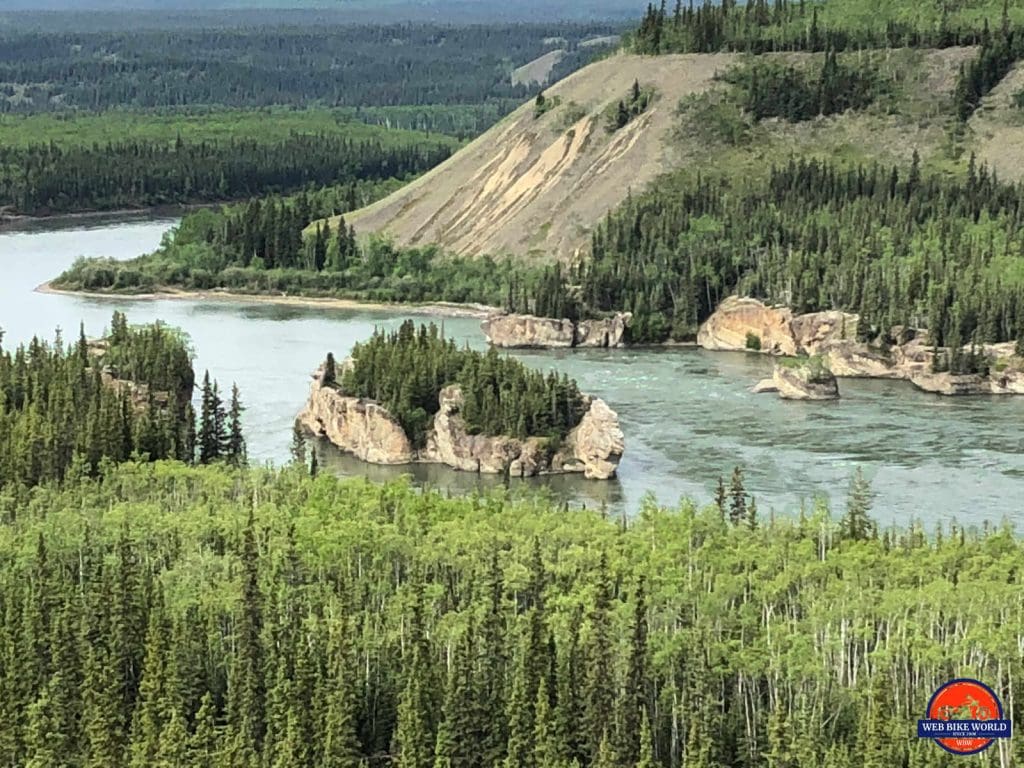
(360,427)
(606,333)
(597,443)
(513,331)
(366,430)
(742,323)
(818,330)
(525,331)
(851,359)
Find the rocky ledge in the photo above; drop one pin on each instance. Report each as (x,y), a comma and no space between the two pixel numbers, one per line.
(747,324)
(368,431)
(801,379)
(513,331)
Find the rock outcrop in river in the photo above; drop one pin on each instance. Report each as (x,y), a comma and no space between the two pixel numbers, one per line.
(747,324)
(366,430)
(512,331)
(801,379)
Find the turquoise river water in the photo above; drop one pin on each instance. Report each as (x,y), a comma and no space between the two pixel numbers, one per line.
(687,414)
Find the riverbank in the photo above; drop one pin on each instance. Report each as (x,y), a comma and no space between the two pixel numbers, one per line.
(435,309)
(12,222)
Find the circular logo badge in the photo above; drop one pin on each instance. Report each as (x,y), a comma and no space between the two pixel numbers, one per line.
(964,717)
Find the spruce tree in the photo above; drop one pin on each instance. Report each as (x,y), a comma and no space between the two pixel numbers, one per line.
(737,498)
(857,524)
(209,437)
(236,440)
(341,745)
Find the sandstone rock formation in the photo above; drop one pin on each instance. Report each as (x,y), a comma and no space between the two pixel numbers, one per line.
(606,333)
(597,443)
(743,323)
(808,379)
(525,331)
(512,331)
(818,330)
(360,427)
(902,353)
(851,359)
(366,430)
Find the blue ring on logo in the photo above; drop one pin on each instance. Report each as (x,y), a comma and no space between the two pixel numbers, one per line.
(978,683)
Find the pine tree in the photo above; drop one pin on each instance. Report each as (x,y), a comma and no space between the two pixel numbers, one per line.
(236,441)
(209,438)
(204,744)
(599,692)
(341,745)
(330,376)
(721,497)
(856,524)
(738,498)
(646,757)
(298,449)
(632,702)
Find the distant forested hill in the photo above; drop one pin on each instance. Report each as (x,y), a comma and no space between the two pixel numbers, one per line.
(454,11)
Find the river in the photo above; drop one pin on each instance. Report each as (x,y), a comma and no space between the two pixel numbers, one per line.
(687,414)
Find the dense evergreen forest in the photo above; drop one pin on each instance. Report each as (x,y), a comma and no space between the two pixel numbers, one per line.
(140,172)
(763,26)
(259,247)
(332,65)
(204,617)
(774,89)
(142,117)
(891,244)
(69,410)
(405,370)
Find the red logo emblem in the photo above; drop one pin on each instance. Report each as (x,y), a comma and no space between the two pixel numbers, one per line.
(964,717)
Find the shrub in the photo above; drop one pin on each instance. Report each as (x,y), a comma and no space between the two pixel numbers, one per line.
(753,342)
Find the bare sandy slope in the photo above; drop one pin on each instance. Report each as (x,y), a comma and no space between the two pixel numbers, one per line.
(998,128)
(538,70)
(535,186)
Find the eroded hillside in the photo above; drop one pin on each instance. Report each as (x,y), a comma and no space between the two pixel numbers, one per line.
(998,128)
(535,185)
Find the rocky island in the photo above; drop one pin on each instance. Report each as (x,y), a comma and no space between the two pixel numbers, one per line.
(900,353)
(801,378)
(747,324)
(518,331)
(413,397)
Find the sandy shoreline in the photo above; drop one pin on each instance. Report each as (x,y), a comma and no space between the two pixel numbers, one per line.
(445,309)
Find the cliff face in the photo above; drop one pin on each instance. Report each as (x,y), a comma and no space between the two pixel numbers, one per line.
(741,323)
(360,427)
(512,331)
(366,430)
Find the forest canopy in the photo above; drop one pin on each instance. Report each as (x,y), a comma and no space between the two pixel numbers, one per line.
(73,410)
(209,617)
(57,166)
(405,371)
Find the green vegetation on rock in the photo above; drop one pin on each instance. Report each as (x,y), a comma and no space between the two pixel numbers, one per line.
(774,89)
(71,410)
(406,370)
